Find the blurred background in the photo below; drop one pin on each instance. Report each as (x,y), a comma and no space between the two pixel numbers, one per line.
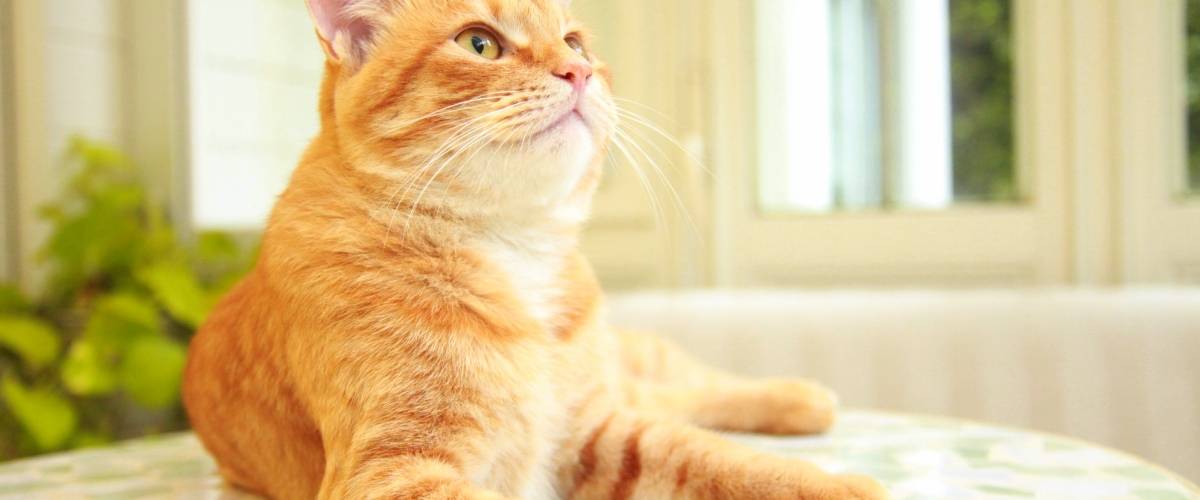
(977,208)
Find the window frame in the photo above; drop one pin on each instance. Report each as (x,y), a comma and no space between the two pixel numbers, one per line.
(1161,219)
(965,245)
(1096,165)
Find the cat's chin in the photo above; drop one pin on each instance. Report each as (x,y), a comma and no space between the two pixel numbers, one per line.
(545,167)
(570,128)
(564,142)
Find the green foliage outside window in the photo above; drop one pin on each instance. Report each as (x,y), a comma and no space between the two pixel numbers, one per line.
(99,355)
(982,89)
(1193,106)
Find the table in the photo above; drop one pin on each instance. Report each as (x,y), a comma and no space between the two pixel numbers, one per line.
(917,457)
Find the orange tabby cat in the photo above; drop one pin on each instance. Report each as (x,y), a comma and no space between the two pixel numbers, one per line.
(420,323)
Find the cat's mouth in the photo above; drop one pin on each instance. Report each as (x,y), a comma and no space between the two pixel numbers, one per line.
(571,118)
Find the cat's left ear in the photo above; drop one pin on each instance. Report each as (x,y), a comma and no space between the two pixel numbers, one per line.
(345,28)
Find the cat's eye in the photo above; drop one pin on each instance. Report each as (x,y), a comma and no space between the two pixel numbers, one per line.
(480,42)
(576,44)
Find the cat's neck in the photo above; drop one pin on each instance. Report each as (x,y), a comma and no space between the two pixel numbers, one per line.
(322,189)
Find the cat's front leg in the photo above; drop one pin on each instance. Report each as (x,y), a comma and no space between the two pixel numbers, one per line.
(628,455)
(662,378)
(764,406)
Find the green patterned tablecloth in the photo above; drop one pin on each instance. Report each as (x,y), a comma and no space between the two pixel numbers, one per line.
(917,457)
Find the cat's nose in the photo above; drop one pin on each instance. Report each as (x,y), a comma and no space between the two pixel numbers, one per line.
(575,71)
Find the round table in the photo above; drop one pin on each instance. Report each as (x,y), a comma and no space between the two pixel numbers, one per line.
(917,457)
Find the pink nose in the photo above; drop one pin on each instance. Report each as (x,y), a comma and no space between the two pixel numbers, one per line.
(575,71)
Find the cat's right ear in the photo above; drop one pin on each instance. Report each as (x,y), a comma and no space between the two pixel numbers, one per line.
(345,28)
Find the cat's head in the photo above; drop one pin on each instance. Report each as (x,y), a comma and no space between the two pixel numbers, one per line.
(495,104)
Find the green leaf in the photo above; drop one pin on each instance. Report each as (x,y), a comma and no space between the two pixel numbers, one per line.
(177,289)
(89,439)
(11,300)
(131,308)
(216,246)
(47,416)
(120,318)
(34,340)
(94,153)
(104,238)
(152,370)
(85,372)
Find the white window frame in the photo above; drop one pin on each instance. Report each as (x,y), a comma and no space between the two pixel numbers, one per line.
(963,245)
(28,138)
(1093,163)
(1163,225)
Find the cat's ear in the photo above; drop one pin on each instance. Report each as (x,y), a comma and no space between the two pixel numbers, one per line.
(345,28)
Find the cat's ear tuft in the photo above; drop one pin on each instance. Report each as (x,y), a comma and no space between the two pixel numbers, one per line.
(345,28)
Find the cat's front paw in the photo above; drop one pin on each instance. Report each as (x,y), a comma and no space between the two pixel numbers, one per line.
(804,481)
(780,407)
(797,407)
(858,487)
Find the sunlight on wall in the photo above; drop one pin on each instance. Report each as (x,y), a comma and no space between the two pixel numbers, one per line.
(795,113)
(922,45)
(255,72)
(853,105)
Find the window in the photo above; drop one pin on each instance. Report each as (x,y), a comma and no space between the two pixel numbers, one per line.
(981,69)
(871,104)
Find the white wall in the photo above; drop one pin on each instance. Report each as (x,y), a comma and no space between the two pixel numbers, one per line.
(86,48)
(1112,367)
(255,68)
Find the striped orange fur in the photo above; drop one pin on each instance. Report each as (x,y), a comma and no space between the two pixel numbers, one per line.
(420,323)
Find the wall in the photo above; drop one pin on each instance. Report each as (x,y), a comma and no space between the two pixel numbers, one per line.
(75,70)
(1112,367)
(1095,217)
(255,68)
(649,229)
(68,78)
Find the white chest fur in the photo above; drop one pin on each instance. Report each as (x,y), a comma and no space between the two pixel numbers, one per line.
(533,264)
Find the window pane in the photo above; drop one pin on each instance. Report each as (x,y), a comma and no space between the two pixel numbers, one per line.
(875,104)
(1193,109)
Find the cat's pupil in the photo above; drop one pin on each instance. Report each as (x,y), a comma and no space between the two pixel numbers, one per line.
(479,44)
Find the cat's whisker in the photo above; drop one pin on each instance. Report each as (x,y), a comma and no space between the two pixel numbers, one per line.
(467,144)
(679,203)
(617,100)
(513,110)
(455,134)
(647,124)
(475,142)
(476,101)
(477,184)
(475,145)
(458,134)
(465,134)
(618,141)
(623,141)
